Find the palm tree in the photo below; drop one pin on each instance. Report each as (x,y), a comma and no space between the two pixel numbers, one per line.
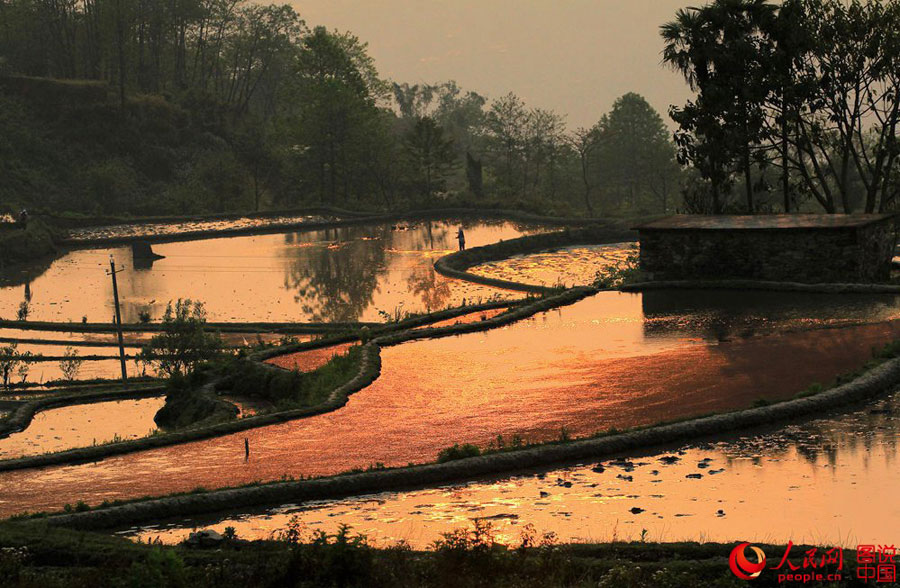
(719,49)
(684,51)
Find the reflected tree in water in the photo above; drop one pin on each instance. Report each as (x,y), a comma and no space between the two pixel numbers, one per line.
(335,272)
(434,291)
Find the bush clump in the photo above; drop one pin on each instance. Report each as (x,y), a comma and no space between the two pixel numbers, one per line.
(458,451)
(293,388)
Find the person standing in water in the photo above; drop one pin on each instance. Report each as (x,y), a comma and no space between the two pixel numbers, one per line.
(461,237)
(246,449)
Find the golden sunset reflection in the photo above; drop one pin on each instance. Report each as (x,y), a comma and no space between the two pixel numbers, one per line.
(828,481)
(585,368)
(307,361)
(569,266)
(81,425)
(340,274)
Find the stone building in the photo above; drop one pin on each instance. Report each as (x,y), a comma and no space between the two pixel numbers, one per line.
(782,247)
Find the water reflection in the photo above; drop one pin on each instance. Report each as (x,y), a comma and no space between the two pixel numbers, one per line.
(828,481)
(722,314)
(576,265)
(585,367)
(339,274)
(82,425)
(174,228)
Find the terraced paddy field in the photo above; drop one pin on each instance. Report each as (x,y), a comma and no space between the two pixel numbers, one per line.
(612,360)
(823,481)
(82,425)
(366,273)
(144,229)
(577,265)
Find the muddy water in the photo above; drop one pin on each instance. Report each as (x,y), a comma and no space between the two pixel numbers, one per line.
(345,274)
(82,425)
(829,481)
(569,266)
(608,361)
(310,360)
(147,229)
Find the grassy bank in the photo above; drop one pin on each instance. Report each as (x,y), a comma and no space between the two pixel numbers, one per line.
(290,389)
(19,245)
(32,554)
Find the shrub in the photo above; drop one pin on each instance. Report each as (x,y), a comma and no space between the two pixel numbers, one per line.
(331,560)
(163,567)
(24,311)
(184,342)
(13,362)
(458,452)
(623,272)
(71,364)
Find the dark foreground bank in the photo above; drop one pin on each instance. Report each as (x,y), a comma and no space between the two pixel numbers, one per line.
(33,554)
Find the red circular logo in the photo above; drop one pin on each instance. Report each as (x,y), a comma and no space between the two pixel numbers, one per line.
(742,567)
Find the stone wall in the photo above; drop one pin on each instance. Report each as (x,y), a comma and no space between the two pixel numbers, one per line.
(844,254)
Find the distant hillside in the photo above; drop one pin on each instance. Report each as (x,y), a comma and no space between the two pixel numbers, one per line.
(68,146)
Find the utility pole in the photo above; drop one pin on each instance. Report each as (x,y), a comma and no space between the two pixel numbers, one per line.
(112,272)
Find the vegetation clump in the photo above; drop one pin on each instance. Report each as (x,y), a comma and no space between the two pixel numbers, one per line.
(184,342)
(13,363)
(179,352)
(620,273)
(458,451)
(33,553)
(292,388)
(70,365)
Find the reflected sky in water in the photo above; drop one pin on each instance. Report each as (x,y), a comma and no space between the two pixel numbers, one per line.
(341,274)
(585,367)
(827,481)
(82,425)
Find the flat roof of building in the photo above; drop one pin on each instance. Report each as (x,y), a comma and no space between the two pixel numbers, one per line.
(730,222)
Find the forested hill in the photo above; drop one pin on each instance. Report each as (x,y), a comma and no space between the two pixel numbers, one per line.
(135,107)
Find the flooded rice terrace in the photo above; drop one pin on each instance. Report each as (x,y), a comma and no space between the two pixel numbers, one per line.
(82,425)
(145,229)
(828,481)
(568,266)
(611,360)
(357,273)
(100,352)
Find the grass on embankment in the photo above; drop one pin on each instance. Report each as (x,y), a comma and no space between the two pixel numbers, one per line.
(19,245)
(33,554)
(191,402)
(289,389)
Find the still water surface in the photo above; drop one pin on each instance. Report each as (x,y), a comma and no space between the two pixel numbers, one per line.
(612,360)
(82,425)
(340,274)
(827,481)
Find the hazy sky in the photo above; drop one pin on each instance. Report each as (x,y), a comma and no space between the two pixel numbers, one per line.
(573,56)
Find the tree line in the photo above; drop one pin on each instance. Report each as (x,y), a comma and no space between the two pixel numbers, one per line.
(227,104)
(796,104)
